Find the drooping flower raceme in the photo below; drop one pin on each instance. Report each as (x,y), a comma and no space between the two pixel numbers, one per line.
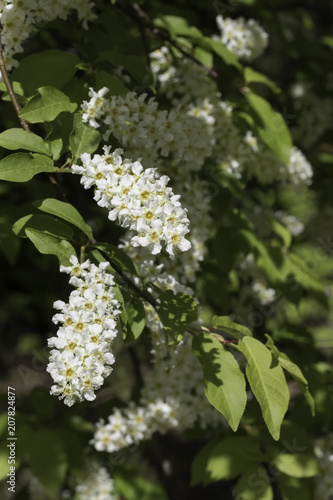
(139,198)
(81,356)
(181,403)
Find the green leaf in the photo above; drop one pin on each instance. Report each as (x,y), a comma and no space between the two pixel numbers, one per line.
(254,484)
(118,256)
(21,167)
(252,76)
(136,317)
(281,231)
(224,382)
(267,382)
(231,457)
(176,312)
(18,91)
(48,244)
(198,467)
(56,148)
(294,371)
(273,129)
(42,223)
(307,279)
(50,67)
(177,26)
(65,211)
(83,139)
(80,425)
(227,325)
(271,260)
(204,57)
(325,157)
(115,86)
(292,488)
(16,138)
(47,105)
(48,461)
(222,51)
(296,465)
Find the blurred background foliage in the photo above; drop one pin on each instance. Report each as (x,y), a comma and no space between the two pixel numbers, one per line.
(299,52)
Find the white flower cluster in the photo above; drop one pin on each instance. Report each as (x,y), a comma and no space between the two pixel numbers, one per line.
(98,485)
(177,142)
(299,168)
(139,198)
(246,38)
(240,155)
(199,129)
(297,172)
(18,18)
(324,482)
(133,425)
(173,397)
(181,402)
(148,132)
(260,218)
(81,356)
(94,109)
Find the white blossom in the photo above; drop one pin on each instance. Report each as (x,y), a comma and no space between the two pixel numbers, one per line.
(138,198)
(81,354)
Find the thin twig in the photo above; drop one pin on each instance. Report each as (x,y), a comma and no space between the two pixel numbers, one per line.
(143,20)
(8,84)
(17,108)
(56,185)
(130,283)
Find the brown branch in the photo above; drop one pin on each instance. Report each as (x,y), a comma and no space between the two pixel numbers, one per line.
(142,19)
(8,84)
